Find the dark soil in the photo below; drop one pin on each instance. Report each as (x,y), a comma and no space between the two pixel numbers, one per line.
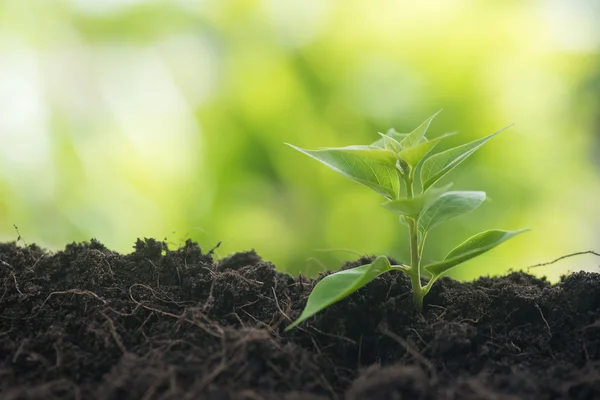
(88,323)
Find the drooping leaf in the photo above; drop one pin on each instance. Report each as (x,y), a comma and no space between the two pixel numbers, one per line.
(440,164)
(416,136)
(390,133)
(415,154)
(471,248)
(339,285)
(447,206)
(373,167)
(412,207)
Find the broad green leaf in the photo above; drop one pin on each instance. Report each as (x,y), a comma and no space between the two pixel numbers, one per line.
(371,166)
(415,154)
(471,248)
(449,205)
(412,207)
(391,133)
(391,144)
(416,136)
(339,285)
(440,164)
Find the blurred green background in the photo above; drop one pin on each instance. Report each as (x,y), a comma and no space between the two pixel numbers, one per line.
(126,118)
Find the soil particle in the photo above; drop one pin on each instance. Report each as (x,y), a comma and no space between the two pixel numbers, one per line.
(89,323)
(391,383)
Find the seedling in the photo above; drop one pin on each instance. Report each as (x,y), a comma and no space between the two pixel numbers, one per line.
(389,166)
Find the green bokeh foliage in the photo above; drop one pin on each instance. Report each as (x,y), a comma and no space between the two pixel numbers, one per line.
(168,119)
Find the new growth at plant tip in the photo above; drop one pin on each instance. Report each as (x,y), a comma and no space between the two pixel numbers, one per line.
(389,166)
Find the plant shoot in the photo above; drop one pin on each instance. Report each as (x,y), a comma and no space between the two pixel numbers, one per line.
(389,166)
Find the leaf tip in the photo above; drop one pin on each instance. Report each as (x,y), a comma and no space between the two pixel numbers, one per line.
(430,119)
(300,149)
(291,326)
(503,129)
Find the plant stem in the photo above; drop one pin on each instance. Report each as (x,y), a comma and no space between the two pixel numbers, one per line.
(415,252)
(415,261)
(422,244)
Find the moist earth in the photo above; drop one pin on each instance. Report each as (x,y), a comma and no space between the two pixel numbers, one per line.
(89,323)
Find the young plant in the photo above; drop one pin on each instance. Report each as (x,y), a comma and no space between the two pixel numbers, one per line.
(389,167)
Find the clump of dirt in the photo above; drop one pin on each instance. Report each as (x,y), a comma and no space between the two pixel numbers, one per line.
(89,323)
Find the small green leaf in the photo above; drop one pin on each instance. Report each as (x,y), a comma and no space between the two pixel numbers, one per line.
(412,207)
(391,144)
(416,136)
(399,137)
(472,248)
(339,285)
(449,205)
(391,133)
(371,166)
(415,154)
(440,164)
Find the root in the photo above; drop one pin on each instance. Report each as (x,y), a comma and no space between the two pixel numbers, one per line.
(168,300)
(318,262)
(114,334)
(206,326)
(546,322)
(413,352)
(562,258)
(346,339)
(283,313)
(70,291)
(13,275)
(237,351)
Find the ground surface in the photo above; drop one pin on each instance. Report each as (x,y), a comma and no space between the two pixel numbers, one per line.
(88,323)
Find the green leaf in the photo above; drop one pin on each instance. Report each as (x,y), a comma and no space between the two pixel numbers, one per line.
(440,164)
(449,205)
(415,154)
(371,166)
(412,207)
(390,133)
(339,285)
(391,144)
(399,137)
(472,248)
(416,136)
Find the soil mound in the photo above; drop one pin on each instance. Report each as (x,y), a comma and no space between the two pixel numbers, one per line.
(89,323)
